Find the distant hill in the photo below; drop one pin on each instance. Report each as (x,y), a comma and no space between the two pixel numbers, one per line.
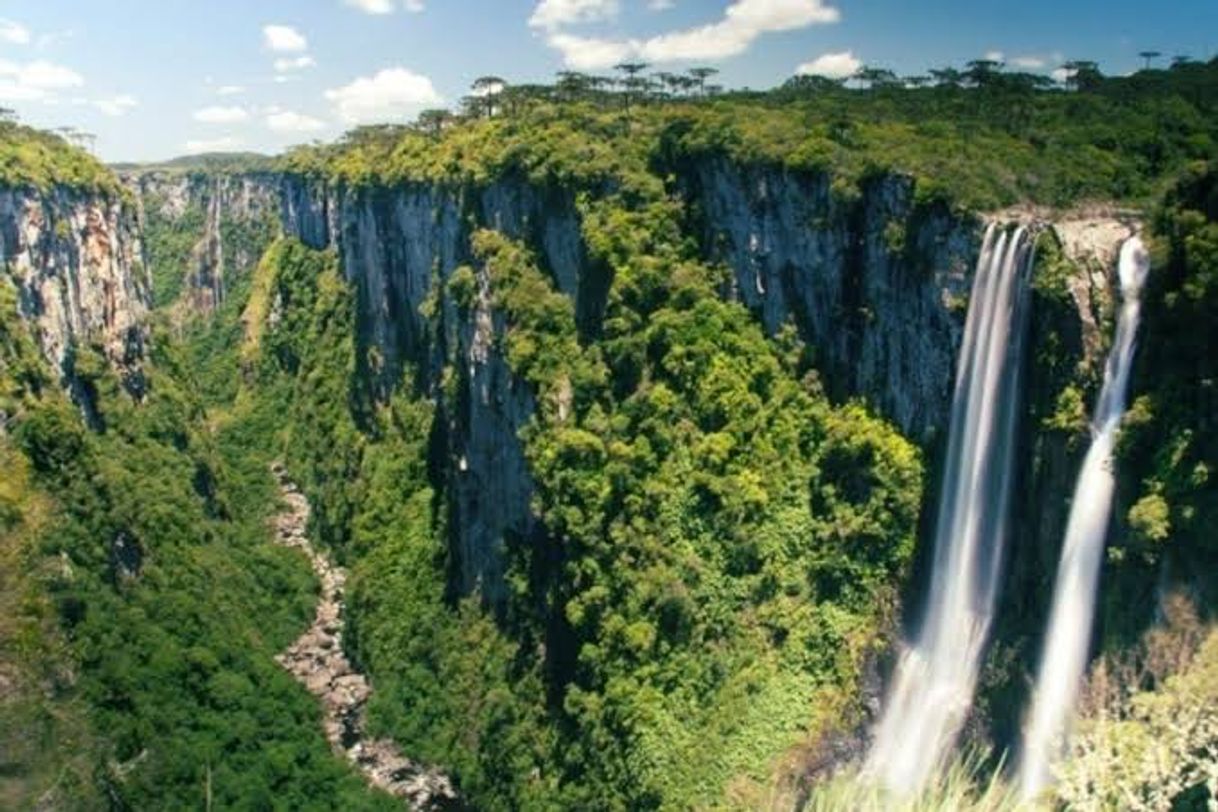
(205,162)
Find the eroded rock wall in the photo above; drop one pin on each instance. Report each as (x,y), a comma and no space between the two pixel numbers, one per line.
(75,258)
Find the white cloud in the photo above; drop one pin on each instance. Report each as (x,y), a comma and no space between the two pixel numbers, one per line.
(385,6)
(14,33)
(287,121)
(372,6)
(553,14)
(35,81)
(284,39)
(994,56)
(742,23)
(286,64)
(230,90)
(840,65)
(223,144)
(585,53)
(393,93)
(1029,62)
(221,115)
(660,5)
(116,105)
(1061,75)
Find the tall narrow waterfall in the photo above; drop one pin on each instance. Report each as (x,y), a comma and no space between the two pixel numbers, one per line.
(936,675)
(1068,635)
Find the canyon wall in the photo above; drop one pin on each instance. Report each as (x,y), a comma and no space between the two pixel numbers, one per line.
(75,258)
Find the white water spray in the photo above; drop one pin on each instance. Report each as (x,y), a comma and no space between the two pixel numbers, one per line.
(1068,636)
(936,676)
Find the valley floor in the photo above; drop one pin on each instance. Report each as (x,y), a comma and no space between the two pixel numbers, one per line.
(317,660)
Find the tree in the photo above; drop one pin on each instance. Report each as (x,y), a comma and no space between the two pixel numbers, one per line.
(1148,56)
(947,77)
(8,115)
(434,121)
(982,72)
(700,75)
(632,83)
(1082,74)
(572,85)
(875,77)
(670,83)
(488,88)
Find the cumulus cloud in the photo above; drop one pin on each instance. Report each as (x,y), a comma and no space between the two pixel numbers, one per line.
(288,121)
(14,33)
(225,143)
(1062,75)
(391,94)
(587,53)
(660,5)
(839,65)
(221,115)
(35,81)
(284,39)
(118,105)
(287,64)
(230,90)
(1029,62)
(742,23)
(554,14)
(994,56)
(385,6)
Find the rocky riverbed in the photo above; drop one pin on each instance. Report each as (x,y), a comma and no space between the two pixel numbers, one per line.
(317,660)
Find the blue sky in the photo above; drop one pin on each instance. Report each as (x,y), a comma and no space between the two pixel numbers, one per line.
(153,79)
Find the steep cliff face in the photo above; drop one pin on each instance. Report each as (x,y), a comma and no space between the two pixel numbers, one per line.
(75,259)
(399,247)
(875,283)
(205,231)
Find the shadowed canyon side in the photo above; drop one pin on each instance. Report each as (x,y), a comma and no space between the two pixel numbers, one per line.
(317,660)
(1067,640)
(936,675)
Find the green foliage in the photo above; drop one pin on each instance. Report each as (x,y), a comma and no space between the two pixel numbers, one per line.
(721,540)
(169,244)
(150,606)
(1170,447)
(42,160)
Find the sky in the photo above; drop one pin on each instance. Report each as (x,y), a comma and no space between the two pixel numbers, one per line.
(152,79)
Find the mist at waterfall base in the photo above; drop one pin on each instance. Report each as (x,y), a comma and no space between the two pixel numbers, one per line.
(1067,639)
(936,674)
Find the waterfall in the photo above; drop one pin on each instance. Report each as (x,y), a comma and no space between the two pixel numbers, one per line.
(935,677)
(1066,642)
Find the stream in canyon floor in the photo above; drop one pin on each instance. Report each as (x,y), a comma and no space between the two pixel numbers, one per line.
(317,661)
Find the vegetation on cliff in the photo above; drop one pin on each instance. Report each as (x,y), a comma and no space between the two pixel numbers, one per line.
(981,143)
(143,604)
(44,160)
(720,541)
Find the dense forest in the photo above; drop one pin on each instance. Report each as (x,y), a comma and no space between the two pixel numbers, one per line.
(704,578)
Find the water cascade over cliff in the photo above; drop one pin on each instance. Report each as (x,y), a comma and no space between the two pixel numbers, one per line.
(1066,641)
(935,678)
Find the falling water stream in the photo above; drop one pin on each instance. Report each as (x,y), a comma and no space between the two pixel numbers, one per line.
(1068,635)
(933,686)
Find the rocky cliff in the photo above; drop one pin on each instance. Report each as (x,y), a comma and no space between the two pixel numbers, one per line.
(204,232)
(875,280)
(399,247)
(76,261)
